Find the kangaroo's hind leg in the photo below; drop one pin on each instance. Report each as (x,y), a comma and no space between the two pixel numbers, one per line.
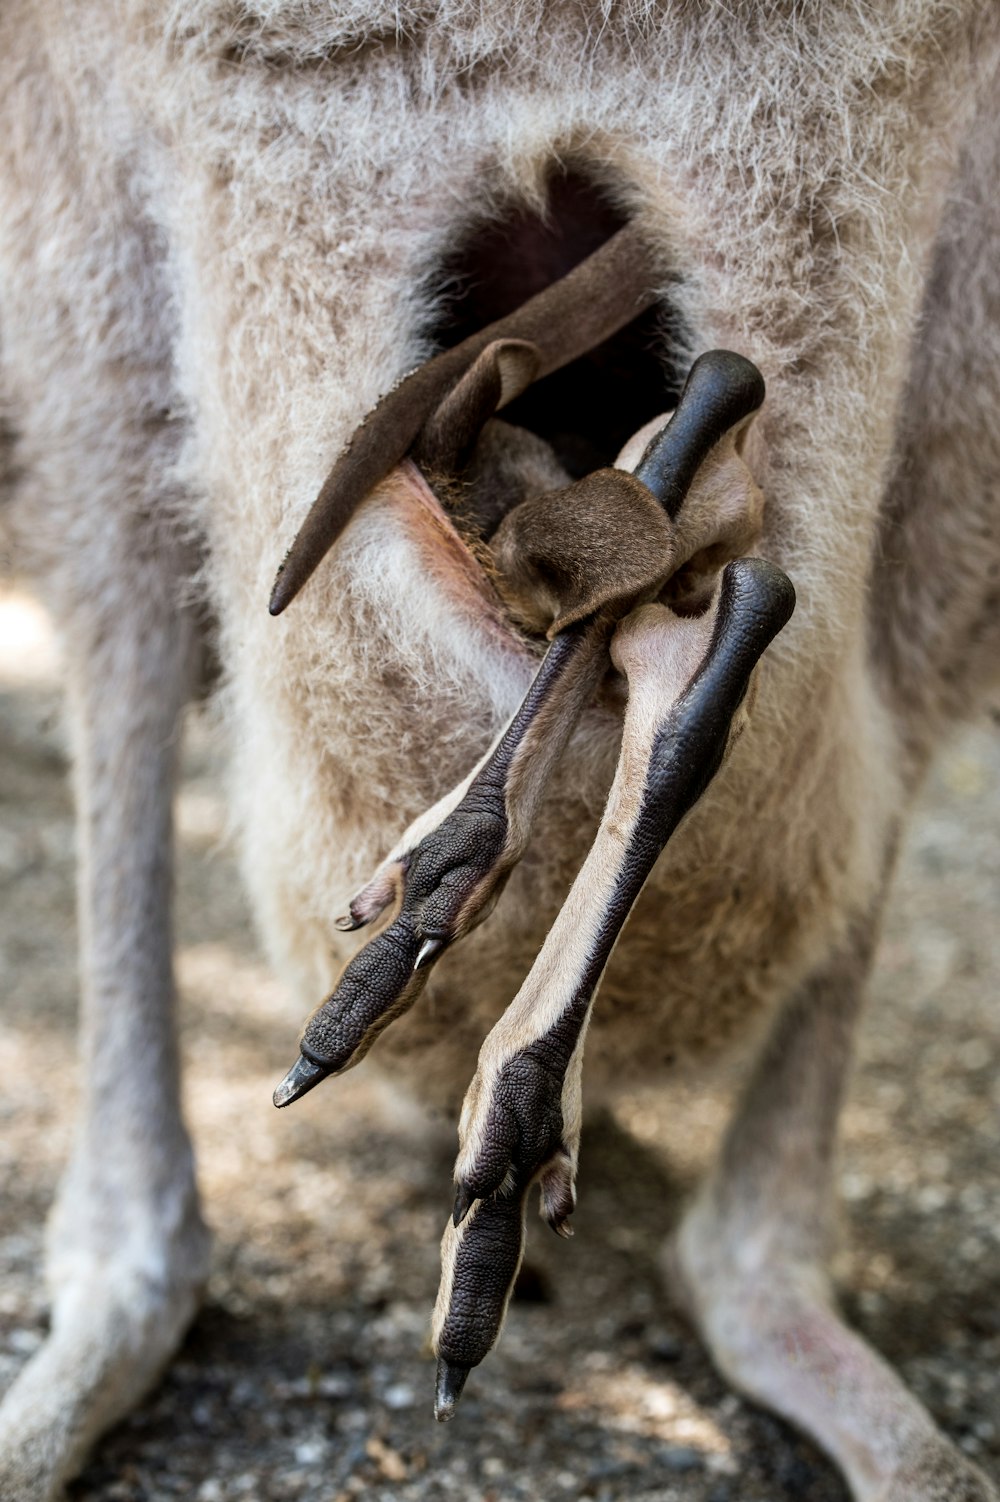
(127,1249)
(752,1250)
(95,508)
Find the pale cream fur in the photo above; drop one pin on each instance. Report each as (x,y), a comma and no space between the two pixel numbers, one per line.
(215,228)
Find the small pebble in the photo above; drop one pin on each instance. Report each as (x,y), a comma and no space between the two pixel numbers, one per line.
(310,1451)
(666,1348)
(680,1458)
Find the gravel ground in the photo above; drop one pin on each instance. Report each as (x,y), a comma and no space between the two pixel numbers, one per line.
(307,1375)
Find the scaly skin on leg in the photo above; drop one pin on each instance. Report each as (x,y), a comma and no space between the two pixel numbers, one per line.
(521,1119)
(749,1260)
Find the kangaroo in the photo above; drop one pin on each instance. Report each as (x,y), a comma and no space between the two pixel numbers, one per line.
(228,233)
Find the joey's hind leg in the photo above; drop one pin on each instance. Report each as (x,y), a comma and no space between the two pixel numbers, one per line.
(127,1248)
(750,1261)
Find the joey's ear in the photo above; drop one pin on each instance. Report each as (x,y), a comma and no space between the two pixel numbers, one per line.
(581,310)
(598,544)
(503,370)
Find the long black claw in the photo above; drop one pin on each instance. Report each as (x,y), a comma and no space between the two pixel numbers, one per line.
(299,1080)
(450,1382)
(464,1201)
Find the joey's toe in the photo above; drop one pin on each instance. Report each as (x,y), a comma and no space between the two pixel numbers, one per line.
(451,1379)
(299,1080)
(465,1198)
(428,952)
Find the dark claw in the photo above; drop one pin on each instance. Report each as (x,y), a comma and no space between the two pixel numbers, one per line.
(450,1382)
(464,1201)
(299,1080)
(428,952)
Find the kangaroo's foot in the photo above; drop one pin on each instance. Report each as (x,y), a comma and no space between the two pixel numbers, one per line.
(116,1322)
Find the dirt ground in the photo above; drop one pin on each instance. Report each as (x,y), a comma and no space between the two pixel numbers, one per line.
(307,1375)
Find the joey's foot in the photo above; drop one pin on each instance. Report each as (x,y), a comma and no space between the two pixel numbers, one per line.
(520,1122)
(450,867)
(447,884)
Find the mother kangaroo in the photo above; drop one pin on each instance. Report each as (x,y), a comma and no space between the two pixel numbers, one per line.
(227,229)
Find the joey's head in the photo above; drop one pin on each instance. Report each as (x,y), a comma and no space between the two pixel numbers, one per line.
(504,453)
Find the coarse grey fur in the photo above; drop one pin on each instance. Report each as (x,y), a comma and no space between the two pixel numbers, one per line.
(216,221)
